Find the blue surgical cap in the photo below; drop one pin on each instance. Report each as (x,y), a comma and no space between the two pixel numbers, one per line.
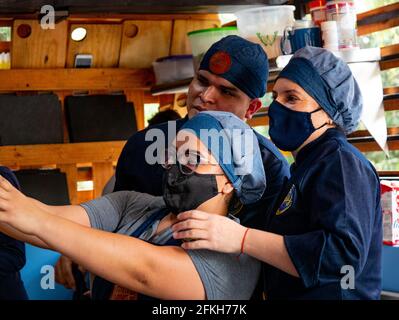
(330,82)
(239,61)
(236,149)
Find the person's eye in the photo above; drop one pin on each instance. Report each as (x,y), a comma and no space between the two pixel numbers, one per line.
(227,92)
(292,99)
(202,81)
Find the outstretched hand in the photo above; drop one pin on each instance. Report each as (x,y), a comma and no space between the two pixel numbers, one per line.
(18,210)
(208,231)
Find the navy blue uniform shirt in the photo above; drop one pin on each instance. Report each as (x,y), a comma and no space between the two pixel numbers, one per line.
(134,173)
(12,258)
(330,216)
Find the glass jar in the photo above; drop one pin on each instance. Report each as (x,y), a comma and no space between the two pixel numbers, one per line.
(344,13)
(317,10)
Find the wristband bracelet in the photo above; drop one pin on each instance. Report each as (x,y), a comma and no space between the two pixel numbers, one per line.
(242,243)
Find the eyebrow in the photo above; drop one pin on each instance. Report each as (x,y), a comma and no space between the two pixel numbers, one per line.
(199,75)
(288,91)
(228,88)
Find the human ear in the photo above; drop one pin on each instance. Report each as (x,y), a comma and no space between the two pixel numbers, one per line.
(227,188)
(254,106)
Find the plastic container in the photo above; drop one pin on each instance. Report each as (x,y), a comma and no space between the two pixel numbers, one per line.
(202,40)
(173,68)
(5,60)
(344,13)
(330,35)
(318,11)
(304,33)
(266,25)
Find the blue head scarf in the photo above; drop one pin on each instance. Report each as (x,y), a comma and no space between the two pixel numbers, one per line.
(330,82)
(241,62)
(236,149)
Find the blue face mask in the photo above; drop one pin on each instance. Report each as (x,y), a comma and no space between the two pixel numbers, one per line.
(289,129)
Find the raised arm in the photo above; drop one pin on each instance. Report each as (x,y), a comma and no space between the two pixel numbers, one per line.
(22,203)
(219,233)
(162,272)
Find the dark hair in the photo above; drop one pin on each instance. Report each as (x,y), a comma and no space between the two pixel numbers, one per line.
(164,116)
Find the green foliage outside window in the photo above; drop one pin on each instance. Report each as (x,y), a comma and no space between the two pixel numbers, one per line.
(5,33)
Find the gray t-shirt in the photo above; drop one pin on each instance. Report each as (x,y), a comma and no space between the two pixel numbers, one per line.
(223,275)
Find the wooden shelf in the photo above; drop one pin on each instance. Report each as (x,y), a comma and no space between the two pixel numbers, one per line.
(173,87)
(379,19)
(76,79)
(373,146)
(60,154)
(5,46)
(391,103)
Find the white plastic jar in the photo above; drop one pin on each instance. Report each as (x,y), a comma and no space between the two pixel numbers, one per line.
(330,35)
(344,13)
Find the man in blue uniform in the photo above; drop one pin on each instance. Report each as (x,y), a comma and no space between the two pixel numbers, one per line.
(12,258)
(232,76)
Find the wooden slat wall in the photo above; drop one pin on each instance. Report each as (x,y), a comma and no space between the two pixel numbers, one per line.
(103,41)
(60,154)
(44,48)
(391,104)
(99,156)
(180,41)
(378,19)
(151,42)
(122,61)
(76,79)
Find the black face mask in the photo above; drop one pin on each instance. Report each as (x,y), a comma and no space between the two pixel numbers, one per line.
(186,192)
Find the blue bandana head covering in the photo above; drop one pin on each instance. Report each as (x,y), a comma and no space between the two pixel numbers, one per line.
(239,61)
(236,149)
(330,82)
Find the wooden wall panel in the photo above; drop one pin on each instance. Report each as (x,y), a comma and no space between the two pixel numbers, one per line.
(152,41)
(76,79)
(71,172)
(60,154)
(44,48)
(137,97)
(180,42)
(102,172)
(103,41)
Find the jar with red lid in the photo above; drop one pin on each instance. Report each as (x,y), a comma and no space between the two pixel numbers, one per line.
(317,10)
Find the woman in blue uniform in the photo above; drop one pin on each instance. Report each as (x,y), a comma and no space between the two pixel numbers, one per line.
(323,236)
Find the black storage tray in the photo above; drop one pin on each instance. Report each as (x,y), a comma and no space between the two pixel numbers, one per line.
(99,118)
(34,119)
(48,186)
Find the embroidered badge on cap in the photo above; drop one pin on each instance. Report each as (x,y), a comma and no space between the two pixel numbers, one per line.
(220,62)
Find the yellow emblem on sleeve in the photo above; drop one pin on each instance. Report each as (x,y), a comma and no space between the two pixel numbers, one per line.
(286,204)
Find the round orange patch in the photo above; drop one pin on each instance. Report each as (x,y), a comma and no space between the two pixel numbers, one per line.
(220,62)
